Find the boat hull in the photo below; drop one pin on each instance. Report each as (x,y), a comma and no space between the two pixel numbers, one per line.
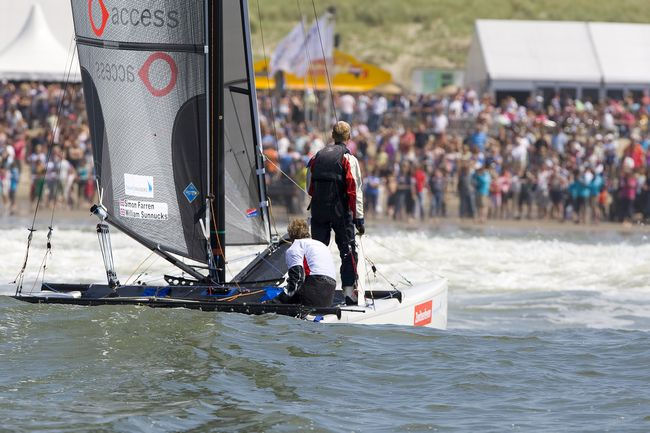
(419,305)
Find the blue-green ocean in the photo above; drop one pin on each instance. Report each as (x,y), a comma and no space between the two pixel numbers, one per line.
(547,333)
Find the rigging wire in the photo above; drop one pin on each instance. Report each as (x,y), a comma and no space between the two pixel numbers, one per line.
(275,227)
(145,271)
(327,72)
(304,44)
(310,63)
(223,256)
(126,283)
(403,257)
(21,274)
(285,174)
(270,96)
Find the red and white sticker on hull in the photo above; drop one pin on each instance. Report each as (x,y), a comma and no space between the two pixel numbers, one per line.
(423,314)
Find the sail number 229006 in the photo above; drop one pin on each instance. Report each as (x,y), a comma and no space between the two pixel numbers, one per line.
(115,72)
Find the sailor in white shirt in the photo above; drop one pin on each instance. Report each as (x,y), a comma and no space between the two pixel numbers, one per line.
(311,280)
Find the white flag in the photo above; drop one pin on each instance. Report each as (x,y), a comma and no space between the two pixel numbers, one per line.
(287,50)
(297,51)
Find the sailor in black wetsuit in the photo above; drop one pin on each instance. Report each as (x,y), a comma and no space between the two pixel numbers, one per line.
(337,202)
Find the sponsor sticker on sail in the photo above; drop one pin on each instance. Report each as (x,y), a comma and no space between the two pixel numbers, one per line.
(144,210)
(252,213)
(190,192)
(423,314)
(138,186)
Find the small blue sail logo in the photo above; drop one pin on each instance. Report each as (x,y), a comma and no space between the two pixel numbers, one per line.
(191,193)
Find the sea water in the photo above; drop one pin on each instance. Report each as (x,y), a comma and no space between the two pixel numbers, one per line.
(547,332)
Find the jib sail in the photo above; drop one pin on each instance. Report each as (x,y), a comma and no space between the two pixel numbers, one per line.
(143,70)
(246,217)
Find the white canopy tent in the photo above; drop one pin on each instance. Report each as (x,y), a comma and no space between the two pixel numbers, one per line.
(35,54)
(624,53)
(575,58)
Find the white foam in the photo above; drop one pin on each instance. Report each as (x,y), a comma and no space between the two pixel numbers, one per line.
(598,285)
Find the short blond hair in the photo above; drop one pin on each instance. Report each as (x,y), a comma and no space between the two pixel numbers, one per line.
(298,229)
(341,132)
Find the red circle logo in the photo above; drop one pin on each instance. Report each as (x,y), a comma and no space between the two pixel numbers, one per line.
(144,74)
(105,15)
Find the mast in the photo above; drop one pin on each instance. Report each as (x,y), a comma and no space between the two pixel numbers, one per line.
(208,110)
(217,137)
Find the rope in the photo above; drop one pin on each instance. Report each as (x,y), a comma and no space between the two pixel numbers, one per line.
(285,174)
(275,227)
(42,267)
(145,271)
(310,64)
(21,274)
(273,125)
(126,283)
(223,256)
(376,271)
(304,44)
(239,295)
(364,255)
(393,251)
(327,72)
(268,78)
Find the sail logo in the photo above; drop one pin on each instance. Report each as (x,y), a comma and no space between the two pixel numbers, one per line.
(132,17)
(190,192)
(145,73)
(138,186)
(98,29)
(423,314)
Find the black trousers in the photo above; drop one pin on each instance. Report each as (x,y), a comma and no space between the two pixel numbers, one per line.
(344,238)
(317,291)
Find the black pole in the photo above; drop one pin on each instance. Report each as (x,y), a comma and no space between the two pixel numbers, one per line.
(221,227)
(218,239)
(212,265)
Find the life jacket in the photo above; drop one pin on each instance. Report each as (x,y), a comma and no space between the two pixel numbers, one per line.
(328,181)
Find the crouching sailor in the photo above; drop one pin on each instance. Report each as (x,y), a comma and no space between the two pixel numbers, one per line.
(311,269)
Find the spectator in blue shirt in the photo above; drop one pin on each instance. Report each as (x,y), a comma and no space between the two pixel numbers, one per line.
(481,180)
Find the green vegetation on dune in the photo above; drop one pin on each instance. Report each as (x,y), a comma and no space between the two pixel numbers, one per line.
(404,34)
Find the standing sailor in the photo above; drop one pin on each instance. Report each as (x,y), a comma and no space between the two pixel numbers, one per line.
(337,202)
(311,280)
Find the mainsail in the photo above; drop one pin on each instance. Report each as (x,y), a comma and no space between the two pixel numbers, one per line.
(144,74)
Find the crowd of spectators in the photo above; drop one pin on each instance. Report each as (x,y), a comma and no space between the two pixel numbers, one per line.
(423,156)
(426,156)
(30,129)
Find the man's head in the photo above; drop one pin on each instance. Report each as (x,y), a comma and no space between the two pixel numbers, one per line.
(341,132)
(298,229)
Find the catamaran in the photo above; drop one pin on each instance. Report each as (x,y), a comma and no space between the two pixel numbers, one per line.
(172,107)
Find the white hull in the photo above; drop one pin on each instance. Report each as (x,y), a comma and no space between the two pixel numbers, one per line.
(422,305)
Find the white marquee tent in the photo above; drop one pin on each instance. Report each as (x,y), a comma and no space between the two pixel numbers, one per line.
(35,53)
(574,58)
